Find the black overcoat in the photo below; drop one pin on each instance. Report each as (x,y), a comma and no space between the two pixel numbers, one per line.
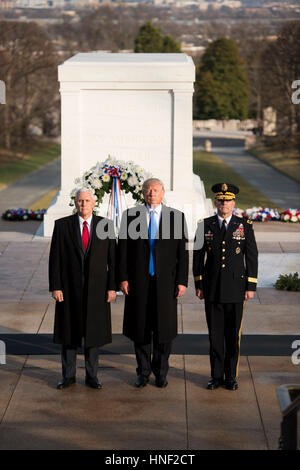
(225,269)
(84,279)
(171,269)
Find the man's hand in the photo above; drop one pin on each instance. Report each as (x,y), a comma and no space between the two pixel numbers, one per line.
(180,291)
(111,296)
(58,295)
(200,294)
(124,286)
(249,294)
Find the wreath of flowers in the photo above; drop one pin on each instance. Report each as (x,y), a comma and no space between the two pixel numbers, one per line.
(23,214)
(112,175)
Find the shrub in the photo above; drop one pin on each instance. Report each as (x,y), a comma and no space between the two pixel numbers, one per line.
(289,282)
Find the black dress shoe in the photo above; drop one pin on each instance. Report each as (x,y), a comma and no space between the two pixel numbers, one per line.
(142,381)
(65,383)
(214,383)
(231,383)
(93,383)
(161,383)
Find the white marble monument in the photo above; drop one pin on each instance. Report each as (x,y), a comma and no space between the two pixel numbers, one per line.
(134,107)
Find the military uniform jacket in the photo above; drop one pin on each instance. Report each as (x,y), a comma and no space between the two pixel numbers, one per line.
(225,269)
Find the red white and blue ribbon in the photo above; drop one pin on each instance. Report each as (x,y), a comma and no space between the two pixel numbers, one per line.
(115,210)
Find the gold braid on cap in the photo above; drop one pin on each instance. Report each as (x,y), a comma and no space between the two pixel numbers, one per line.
(226,196)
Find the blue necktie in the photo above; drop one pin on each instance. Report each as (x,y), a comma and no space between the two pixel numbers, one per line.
(152,234)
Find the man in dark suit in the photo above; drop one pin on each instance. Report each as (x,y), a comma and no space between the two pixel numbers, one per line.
(225,281)
(82,281)
(153,271)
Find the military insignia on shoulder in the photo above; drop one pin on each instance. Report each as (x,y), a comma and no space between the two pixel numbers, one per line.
(249,221)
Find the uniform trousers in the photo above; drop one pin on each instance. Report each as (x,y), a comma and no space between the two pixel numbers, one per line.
(224,321)
(152,355)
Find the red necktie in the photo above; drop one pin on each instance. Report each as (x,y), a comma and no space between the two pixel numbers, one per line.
(85,235)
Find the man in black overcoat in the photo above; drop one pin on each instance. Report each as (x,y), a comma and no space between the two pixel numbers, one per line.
(153,271)
(225,280)
(82,281)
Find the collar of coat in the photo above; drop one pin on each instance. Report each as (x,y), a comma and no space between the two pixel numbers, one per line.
(76,235)
(141,211)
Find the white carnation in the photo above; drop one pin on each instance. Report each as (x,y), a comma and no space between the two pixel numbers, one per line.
(132,181)
(106,178)
(96,183)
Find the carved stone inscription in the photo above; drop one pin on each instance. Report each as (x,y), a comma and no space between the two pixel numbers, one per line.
(129,125)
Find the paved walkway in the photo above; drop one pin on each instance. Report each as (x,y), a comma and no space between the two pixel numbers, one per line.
(184,416)
(281,189)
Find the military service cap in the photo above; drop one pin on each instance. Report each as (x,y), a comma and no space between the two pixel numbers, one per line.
(225,191)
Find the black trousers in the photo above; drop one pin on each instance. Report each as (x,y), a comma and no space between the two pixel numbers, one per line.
(224,323)
(152,356)
(68,358)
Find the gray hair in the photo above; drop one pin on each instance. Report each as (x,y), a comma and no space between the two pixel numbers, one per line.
(151,181)
(84,190)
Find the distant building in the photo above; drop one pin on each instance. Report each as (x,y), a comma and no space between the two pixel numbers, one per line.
(7,4)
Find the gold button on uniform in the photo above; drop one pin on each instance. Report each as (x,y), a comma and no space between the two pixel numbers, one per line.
(223,257)
(223,249)
(223,265)
(223,242)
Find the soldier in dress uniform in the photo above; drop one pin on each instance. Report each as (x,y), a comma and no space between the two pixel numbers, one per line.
(225,274)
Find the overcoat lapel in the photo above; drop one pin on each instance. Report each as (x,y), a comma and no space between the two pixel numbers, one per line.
(75,234)
(145,233)
(163,219)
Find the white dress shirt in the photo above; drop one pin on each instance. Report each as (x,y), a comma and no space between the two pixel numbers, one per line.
(221,221)
(157,215)
(81,220)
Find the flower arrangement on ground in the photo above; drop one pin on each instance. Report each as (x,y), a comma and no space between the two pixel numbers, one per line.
(262,214)
(23,214)
(290,215)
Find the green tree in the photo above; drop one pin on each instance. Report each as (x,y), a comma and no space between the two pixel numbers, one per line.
(221,83)
(148,39)
(170,44)
(151,39)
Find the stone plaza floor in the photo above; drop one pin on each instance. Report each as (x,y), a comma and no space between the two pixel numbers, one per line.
(183,416)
